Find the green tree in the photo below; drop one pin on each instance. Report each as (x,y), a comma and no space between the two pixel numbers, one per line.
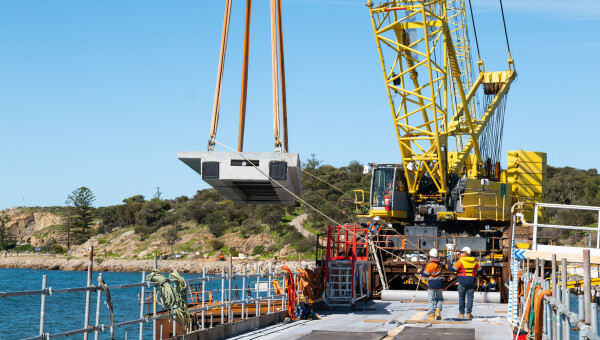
(152,213)
(171,235)
(68,203)
(4,230)
(82,199)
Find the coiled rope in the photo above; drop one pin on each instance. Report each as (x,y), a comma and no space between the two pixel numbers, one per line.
(173,297)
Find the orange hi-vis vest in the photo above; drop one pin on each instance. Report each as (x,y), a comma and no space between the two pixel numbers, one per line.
(466,268)
(433,273)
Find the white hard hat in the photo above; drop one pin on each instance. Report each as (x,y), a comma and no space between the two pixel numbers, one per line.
(467,250)
(433,252)
(376,218)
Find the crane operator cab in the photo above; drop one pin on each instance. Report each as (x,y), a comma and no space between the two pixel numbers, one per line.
(389,195)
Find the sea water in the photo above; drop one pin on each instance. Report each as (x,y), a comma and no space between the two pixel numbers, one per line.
(20,316)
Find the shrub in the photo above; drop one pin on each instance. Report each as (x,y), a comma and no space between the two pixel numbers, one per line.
(25,247)
(153,212)
(144,230)
(216,244)
(258,250)
(305,245)
(234,252)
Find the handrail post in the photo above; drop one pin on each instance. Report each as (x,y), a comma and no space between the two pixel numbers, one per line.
(229,309)
(258,291)
(269,288)
(203,293)
(43,308)
(98,307)
(535,226)
(88,294)
(598,233)
(555,291)
(154,302)
(243,292)
(222,294)
(565,298)
(143,292)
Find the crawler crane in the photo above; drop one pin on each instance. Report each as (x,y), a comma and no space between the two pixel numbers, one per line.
(449,191)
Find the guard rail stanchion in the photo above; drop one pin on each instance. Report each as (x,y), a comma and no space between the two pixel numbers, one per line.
(222,294)
(258,291)
(88,294)
(142,300)
(203,293)
(243,295)
(154,292)
(43,308)
(98,308)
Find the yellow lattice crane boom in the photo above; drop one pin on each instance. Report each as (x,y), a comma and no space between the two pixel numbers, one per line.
(431,88)
(448,116)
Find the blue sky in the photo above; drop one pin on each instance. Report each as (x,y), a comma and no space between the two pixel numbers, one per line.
(104,94)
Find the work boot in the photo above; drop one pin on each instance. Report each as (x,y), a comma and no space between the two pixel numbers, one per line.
(438,314)
(469,316)
(431,317)
(460,316)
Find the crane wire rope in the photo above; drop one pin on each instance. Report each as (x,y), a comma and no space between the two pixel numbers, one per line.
(310,206)
(217,102)
(505,31)
(475,30)
(337,223)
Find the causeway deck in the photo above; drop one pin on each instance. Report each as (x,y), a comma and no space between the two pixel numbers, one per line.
(393,320)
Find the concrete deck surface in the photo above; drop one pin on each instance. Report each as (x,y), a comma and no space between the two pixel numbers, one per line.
(393,318)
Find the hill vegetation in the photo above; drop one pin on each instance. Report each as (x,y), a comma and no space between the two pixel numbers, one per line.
(328,189)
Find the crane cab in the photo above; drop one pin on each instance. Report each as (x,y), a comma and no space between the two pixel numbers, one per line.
(389,198)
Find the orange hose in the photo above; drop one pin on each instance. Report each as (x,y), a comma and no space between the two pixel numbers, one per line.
(539,312)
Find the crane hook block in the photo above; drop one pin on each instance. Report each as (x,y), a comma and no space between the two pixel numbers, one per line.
(249,177)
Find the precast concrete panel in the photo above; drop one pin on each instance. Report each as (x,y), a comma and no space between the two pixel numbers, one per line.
(249,177)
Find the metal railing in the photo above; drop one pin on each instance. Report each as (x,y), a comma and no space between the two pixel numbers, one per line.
(537,225)
(558,321)
(227,301)
(482,206)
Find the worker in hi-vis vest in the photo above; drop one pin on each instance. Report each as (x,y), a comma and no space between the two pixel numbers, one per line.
(466,268)
(374,226)
(435,285)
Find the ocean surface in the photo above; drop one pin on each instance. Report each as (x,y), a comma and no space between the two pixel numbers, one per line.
(20,316)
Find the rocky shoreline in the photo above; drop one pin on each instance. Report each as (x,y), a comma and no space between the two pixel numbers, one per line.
(134,265)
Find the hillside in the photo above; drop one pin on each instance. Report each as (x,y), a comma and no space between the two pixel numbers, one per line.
(204,224)
(208,223)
